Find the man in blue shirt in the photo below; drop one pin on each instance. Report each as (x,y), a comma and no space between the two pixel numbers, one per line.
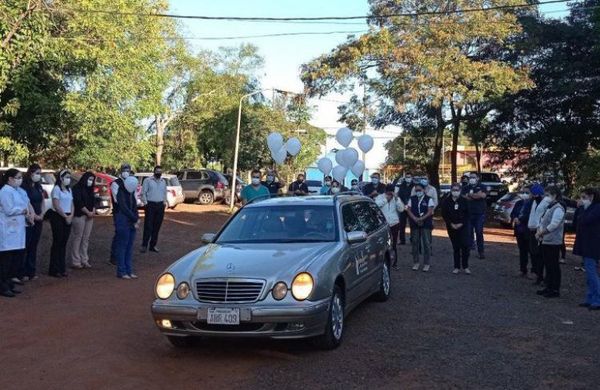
(255,190)
(475,193)
(520,218)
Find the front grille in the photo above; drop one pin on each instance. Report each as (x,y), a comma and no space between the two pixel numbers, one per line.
(228,290)
(244,327)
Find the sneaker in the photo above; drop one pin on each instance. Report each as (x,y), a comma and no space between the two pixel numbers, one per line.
(87,265)
(467,271)
(17,281)
(426,268)
(415,267)
(35,277)
(456,271)
(25,279)
(124,277)
(133,276)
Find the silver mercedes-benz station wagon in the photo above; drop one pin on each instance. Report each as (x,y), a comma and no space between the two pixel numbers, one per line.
(281,268)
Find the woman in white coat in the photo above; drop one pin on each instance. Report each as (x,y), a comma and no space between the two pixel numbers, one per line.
(391,207)
(15,213)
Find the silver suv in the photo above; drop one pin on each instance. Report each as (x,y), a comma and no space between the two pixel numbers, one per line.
(282,268)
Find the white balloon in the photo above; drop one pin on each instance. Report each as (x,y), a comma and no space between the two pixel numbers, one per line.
(344,136)
(350,157)
(274,142)
(358,168)
(339,157)
(279,156)
(293,146)
(365,143)
(325,165)
(339,173)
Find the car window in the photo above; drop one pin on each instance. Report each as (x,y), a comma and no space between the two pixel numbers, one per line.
(313,183)
(378,214)
(48,178)
(490,177)
(367,219)
(173,182)
(349,219)
(193,175)
(222,178)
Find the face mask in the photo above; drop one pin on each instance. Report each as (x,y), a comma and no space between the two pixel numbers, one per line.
(408,179)
(270,178)
(425,182)
(549,198)
(525,196)
(586,203)
(419,194)
(18,182)
(300,180)
(335,190)
(158,175)
(36,177)
(327,183)
(66,181)
(472,181)
(125,174)
(90,182)
(255,181)
(375,180)
(456,194)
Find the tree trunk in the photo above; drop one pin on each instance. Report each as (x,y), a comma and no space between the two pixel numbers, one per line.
(477,157)
(456,118)
(433,168)
(160,134)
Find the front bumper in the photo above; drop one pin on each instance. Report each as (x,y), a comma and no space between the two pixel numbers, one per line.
(301,320)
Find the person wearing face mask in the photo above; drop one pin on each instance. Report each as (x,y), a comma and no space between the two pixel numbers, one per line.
(61,218)
(15,213)
(375,187)
(299,187)
(429,190)
(404,187)
(519,217)
(124,173)
(354,185)
(272,183)
(32,184)
(420,213)
(255,190)
(464,181)
(391,206)
(587,239)
(154,198)
(326,185)
(127,222)
(336,188)
(83,221)
(538,207)
(550,234)
(475,195)
(456,215)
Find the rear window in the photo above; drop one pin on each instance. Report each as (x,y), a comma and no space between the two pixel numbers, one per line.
(174,182)
(222,178)
(490,177)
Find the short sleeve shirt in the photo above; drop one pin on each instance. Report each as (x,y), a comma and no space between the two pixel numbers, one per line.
(249,193)
(65,199)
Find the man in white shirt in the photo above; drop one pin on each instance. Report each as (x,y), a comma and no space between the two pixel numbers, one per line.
(154,198)
(429,190)
(390,205)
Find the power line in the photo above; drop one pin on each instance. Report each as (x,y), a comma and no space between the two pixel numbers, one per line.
(317,18)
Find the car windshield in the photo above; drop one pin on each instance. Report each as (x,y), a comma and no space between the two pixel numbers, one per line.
(281,224)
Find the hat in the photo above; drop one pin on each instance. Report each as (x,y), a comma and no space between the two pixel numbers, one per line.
(125,167)
(537,190)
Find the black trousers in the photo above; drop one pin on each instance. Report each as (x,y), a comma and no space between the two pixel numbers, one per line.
(394,232)
(9,261)
(460,246)
(155,213)
(535,251)
(32,239)
(523,244)
(551,254)
(402,227)
(58,252)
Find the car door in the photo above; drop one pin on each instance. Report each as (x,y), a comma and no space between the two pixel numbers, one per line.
(369,219)
(381,237)
(354,257)
(191,185)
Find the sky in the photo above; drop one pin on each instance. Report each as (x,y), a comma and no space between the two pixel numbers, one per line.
(284,55)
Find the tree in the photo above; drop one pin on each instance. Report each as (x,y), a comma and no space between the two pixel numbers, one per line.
(438,58)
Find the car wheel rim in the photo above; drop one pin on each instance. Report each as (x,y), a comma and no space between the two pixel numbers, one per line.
(385,279)
(337,317)
(205,198)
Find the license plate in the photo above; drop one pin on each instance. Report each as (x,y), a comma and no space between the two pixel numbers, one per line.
(223,316)
(494,193)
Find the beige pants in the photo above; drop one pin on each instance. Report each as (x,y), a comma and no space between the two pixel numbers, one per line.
(81,229)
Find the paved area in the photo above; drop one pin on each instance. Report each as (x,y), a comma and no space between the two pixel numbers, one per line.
(485,331)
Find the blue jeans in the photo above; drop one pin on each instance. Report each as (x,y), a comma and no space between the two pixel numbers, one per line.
(593,281)
(124,239)
(476,222)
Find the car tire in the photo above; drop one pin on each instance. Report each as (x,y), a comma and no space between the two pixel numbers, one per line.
(334,330)
(181,342)
(206,197)
(385,283)
(103,212)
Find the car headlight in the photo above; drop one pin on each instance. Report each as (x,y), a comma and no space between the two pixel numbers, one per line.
(280,291)
(183,290)
(165,286)
(302,286)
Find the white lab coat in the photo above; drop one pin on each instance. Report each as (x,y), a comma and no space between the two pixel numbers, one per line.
(12,221)
(390,209)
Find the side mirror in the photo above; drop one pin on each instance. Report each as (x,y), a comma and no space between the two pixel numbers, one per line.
(357,237)
(207,238)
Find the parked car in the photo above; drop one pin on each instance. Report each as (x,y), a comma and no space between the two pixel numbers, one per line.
(102,200)
(314,186)
(240,184)
(494,187)
(503,207)
(48,181)
(203,185)
(281,268)
(174,190)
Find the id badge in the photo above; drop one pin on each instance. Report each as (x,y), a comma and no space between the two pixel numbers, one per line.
(455,206)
